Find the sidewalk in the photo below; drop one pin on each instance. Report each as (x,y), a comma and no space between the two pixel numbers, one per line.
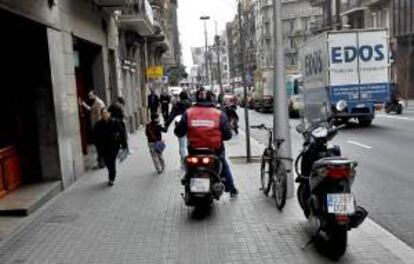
(142,219)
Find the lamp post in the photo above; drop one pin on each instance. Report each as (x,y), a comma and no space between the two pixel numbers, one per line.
(205,18)
(280,102)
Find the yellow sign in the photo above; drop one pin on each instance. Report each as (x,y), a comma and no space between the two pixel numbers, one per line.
(155,72)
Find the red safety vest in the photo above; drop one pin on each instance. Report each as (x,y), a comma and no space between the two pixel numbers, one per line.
(204,128)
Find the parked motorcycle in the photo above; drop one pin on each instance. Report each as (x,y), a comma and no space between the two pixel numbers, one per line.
(202,181)
(325,179)
(395,105)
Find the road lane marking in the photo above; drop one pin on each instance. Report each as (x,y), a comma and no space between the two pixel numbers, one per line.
(397,117)
(359,144)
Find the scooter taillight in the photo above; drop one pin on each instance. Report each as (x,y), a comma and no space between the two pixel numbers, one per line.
(338,172)
(200,161)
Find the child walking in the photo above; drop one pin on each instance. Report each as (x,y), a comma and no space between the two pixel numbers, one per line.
(155,144)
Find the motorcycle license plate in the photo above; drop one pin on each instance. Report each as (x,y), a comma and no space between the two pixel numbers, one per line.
(200,185)
(340,203)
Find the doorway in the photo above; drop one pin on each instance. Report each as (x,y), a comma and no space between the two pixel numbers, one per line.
(89,76)
(26,100)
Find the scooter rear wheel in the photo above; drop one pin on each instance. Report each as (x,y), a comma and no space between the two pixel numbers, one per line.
(338,241)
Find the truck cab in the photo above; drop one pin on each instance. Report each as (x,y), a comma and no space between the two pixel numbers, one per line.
(294,87)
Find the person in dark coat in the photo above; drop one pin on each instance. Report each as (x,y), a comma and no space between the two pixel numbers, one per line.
(153,102)
(165,105)
(110,137)
(178,110)
(117,112)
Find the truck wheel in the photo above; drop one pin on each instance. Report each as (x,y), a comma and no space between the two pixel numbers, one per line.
(365,121)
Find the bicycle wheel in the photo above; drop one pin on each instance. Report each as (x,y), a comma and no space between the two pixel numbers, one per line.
(280,185)
(266,173)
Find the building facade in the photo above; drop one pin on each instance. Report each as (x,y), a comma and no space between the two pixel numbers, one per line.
(65,49)
(403,45)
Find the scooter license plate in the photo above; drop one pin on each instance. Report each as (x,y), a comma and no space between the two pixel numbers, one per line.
(199,185)
(340,203)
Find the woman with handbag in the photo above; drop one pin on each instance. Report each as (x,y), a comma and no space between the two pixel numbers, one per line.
(156,145)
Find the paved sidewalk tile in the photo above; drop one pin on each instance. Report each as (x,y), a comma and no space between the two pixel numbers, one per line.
(142,219)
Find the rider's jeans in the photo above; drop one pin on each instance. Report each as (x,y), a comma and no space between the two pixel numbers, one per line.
(182,142)
(226,173)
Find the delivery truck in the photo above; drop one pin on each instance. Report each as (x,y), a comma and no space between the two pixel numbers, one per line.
(351,67)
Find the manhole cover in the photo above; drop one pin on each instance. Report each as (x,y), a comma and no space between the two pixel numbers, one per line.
(60,219)
(243,159)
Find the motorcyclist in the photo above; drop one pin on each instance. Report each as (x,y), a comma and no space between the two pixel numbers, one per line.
(207,127)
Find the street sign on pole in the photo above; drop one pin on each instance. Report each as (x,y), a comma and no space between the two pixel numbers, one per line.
(280,99)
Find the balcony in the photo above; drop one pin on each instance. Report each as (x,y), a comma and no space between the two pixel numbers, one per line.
(289,50)
(113,3)
(266,4)
(376,2)
(141,20)
(317,3)
(267,36)
(351,7)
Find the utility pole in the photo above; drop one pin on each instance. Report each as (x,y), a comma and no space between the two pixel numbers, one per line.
(338,22)
(280,101)
(407,83)
(218,53)
(205,18)
(217,41)
(246,112)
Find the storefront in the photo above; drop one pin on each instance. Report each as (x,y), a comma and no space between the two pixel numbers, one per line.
(25,101)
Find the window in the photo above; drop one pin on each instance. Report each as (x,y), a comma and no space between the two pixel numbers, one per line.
(305,23)
(374,20)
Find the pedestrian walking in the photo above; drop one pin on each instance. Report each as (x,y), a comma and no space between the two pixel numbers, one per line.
(94,106)
(155,144)
(165,99)
(109,137)
(117,112)
(153,102)
(177,111)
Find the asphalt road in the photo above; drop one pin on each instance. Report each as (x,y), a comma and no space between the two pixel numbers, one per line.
(385,176)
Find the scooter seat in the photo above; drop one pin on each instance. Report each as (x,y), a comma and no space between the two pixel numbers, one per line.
(335,161)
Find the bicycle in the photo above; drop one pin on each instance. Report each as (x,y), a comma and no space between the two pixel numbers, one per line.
(273,167)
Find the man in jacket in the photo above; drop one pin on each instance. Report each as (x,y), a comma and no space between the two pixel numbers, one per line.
(94,107)
(109,137)
(165,100)
(207,127)
(153,102)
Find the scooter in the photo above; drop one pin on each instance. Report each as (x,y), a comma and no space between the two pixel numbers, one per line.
(202,181)
(325,179)
(395,105)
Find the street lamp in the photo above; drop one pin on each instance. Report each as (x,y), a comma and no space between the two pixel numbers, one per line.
(205,18)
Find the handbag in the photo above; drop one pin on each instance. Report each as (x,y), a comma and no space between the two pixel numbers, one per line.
(159,146)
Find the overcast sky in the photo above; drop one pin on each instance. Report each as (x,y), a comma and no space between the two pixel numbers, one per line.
(192,28)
